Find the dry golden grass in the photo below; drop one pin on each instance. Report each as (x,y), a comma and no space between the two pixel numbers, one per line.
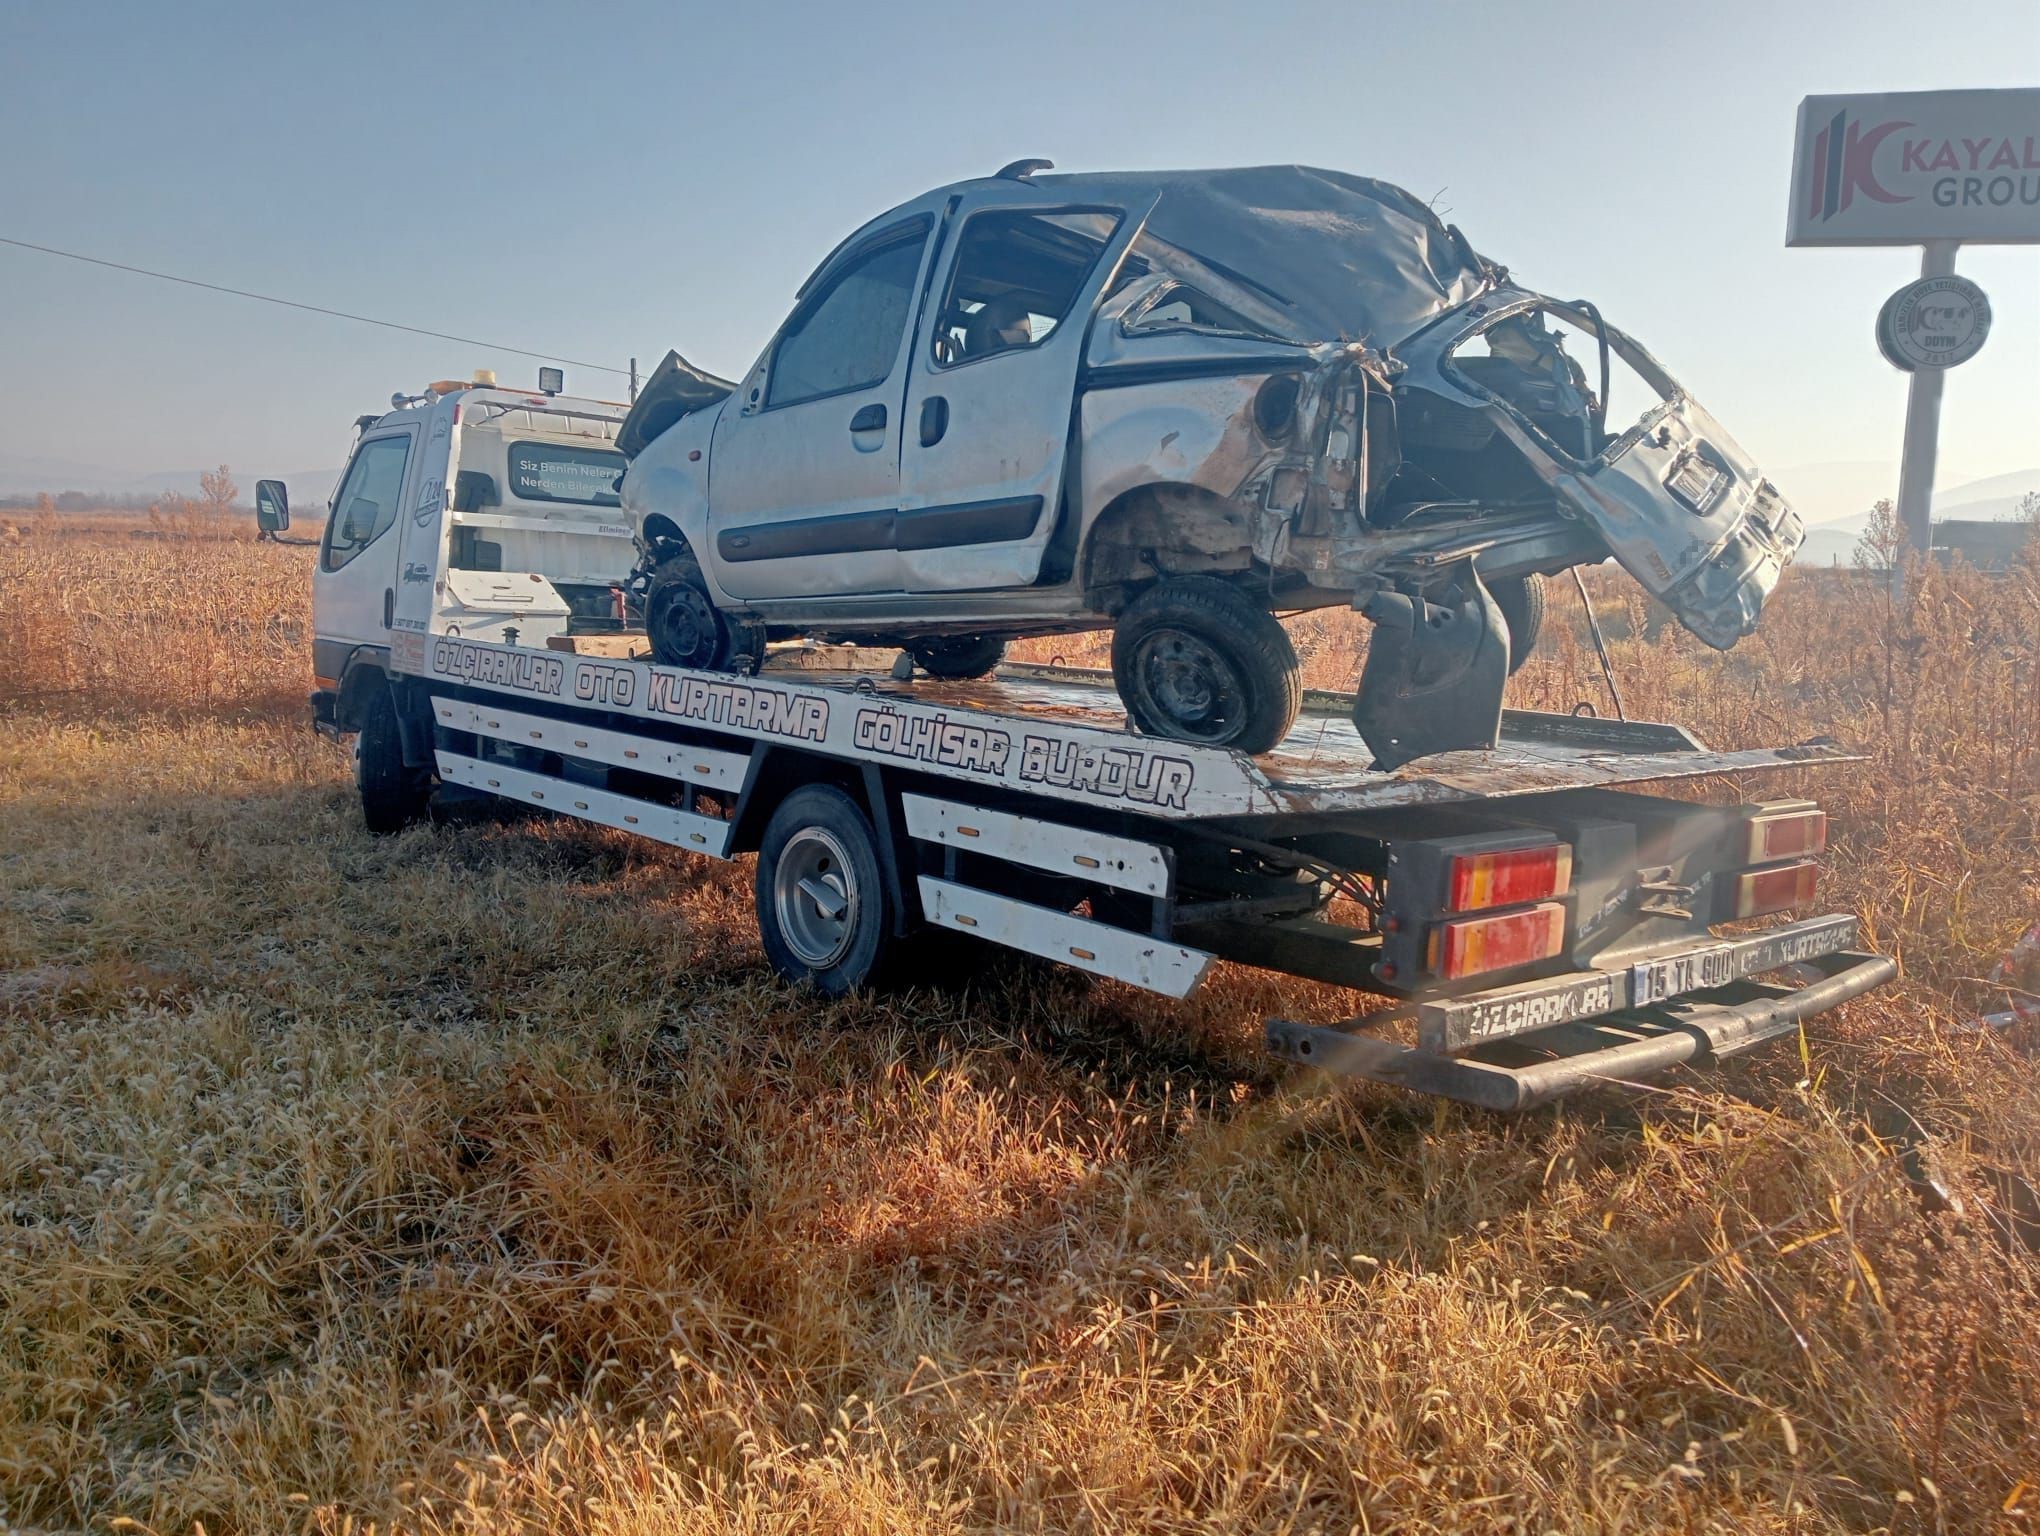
(482,1180)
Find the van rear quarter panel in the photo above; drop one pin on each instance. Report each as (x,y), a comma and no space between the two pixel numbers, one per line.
(1195,431)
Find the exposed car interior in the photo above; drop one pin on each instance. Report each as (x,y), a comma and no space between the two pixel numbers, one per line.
(1017,275)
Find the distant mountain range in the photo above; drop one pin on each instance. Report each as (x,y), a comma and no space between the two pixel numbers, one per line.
(1831,539)
(27,474)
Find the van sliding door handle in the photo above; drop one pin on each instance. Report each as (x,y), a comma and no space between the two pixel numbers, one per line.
(870,419)
(934,420)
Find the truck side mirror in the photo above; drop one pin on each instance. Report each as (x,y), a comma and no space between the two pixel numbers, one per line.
(272,506)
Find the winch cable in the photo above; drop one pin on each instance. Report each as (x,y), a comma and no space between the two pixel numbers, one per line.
(1600,645)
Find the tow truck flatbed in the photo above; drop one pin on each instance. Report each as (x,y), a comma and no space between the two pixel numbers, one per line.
(1059,731)
(1020,809)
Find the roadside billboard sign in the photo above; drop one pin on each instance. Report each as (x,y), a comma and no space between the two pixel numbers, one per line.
(1909,167)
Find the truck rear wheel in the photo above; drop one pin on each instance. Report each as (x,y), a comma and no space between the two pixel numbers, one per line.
(823,908)
(393,794)
(1196,659)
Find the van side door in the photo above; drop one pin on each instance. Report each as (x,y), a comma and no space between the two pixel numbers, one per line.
(804,467)
(992,389)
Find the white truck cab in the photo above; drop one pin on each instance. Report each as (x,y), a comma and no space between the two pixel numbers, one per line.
(468,510)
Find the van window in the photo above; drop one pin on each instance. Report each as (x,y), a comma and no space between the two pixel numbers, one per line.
(584,477)
(367,503)
(1017,276)
(847,336)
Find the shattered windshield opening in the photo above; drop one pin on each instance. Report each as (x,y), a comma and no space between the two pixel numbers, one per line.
(1546,363)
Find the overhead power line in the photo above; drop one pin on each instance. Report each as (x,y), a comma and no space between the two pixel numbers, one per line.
(316,309)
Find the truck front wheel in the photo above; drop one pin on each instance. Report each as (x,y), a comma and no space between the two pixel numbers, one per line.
(393,794)
(1196,659)
(823,908)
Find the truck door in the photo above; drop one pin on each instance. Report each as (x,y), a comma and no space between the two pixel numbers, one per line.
(422,529)
(354,589)
(804,469)
(992,387)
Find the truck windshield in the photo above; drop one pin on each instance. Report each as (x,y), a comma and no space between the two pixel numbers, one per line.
(568,472)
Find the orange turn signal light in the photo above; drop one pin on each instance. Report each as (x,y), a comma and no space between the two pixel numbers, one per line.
(1471,946)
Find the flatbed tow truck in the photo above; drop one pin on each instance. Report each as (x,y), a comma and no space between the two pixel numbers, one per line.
(1544,925)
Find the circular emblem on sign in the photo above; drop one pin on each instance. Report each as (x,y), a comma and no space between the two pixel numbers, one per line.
(1935,322)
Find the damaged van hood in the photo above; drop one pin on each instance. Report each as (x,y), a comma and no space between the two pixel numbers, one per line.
(676,388)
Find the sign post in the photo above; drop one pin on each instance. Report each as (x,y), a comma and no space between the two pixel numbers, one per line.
(1922,445)
(1934,169)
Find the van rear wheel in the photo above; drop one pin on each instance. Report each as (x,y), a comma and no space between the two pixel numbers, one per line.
(1196,659)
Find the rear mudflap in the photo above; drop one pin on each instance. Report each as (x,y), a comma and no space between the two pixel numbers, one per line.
(1437,663)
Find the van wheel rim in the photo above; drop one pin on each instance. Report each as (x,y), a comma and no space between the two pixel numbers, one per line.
(815,898)
(684,625)
(1189,684)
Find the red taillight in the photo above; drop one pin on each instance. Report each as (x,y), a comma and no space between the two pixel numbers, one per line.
(1763,891)
(1481,880)
(1470,946)
(1795,833)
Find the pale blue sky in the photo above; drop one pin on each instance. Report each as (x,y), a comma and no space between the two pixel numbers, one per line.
(616,179)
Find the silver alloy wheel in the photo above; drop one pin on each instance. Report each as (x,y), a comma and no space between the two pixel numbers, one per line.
(815,897)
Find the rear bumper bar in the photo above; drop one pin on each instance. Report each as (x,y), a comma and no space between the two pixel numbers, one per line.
(1527,1070)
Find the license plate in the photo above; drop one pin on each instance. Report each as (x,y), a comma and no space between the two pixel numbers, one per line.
(1696,970)
(1696,482)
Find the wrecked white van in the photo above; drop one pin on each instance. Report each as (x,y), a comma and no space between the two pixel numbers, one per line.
(1178,404)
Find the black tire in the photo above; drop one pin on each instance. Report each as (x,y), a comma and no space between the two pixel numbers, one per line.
(1196,659)
(1521,599)
(681,619)
(820,836)
(393,794)
(958,658)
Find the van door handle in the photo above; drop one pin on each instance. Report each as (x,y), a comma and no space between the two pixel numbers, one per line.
(870,419)
(934,420)
(389,607)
